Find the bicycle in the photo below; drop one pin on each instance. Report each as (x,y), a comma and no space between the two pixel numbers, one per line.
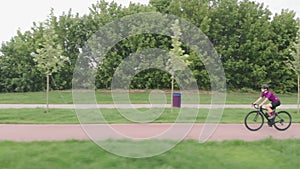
(254,120)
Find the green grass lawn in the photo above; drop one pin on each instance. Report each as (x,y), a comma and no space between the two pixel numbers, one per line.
(189,154)
(104,97)
(68,116)
(266,154)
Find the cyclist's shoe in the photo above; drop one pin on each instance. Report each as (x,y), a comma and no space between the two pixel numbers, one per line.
(270,123)
(271,117)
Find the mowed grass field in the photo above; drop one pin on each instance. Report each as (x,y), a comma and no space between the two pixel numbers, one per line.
(136,97)
(68,116)
(189,154)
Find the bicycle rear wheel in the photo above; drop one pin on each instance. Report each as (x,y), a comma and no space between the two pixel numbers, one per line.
(254,120)
(283,120)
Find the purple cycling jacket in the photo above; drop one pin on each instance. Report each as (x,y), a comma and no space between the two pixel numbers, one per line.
(271,96)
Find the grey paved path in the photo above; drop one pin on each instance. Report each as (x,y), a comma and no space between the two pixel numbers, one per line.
(72,106)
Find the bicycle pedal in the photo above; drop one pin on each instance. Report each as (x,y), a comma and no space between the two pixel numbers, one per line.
(270,124)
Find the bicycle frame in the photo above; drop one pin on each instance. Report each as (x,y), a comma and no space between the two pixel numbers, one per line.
(263,111)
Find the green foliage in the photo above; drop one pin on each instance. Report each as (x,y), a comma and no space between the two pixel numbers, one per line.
(17,68)
(253,46)
(178,62)
(49,57)
(294,62)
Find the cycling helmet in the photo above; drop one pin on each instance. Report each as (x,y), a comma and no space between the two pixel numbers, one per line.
(265,86)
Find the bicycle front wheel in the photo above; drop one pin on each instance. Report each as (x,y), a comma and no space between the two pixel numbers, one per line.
(283,120)
(254,120)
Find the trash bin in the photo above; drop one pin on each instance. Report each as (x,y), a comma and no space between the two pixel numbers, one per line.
(176,100)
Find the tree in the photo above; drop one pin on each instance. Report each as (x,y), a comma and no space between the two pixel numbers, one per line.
(294,63)
(177,55)
(49,57)
(17,71)
(160,5)
(284,28)
(246,36)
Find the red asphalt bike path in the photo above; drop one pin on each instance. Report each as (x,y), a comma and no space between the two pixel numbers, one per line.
(60,132)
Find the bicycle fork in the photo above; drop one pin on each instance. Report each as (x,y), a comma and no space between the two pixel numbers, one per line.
(256,116)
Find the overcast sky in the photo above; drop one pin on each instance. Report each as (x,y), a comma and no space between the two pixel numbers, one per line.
(20,14)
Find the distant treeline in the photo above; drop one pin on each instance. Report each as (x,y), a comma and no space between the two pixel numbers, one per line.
(253,45)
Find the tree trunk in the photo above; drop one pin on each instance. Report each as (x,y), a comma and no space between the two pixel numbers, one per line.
(172,91)
(47,95)
(298,102)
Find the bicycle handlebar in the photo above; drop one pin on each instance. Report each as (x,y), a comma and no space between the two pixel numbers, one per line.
(256,106)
